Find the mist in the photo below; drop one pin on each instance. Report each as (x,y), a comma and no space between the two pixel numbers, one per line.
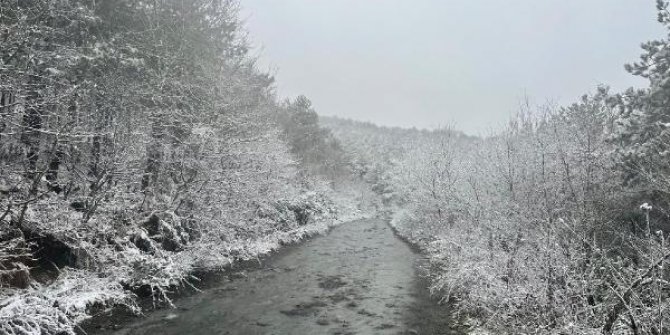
(432,63)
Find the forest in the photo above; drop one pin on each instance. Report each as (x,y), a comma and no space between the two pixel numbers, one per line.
(141,146)
(135,136)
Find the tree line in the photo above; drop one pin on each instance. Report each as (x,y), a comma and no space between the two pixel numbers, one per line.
(140,143)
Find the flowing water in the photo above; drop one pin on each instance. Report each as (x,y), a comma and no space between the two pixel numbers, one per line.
(358,279)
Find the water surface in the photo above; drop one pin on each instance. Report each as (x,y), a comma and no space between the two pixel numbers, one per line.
(358,279)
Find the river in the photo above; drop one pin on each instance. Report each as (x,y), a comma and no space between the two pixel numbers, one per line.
(358,279)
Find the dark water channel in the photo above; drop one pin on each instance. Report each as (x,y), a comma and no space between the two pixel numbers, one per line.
(359,279)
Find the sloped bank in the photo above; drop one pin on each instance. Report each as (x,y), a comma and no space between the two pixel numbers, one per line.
(114,269)
(421,242)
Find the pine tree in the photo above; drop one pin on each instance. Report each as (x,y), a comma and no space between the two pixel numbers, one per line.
(642,130)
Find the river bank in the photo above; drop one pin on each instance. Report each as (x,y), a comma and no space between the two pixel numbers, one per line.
(359,279)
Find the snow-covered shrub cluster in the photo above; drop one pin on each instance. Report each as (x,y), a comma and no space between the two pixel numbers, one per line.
(58,307)
(533,229)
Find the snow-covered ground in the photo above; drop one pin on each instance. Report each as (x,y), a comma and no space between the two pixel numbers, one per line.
(58,306)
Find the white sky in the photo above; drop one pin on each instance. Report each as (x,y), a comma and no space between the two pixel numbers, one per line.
(424,63)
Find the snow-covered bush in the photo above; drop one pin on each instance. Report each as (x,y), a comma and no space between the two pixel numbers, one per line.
(57,308)
(532,230)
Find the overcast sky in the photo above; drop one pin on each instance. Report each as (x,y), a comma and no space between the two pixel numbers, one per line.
(467,63)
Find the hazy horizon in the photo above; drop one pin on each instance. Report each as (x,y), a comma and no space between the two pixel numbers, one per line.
(430,63)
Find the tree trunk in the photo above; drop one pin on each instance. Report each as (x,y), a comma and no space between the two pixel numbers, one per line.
(32,123)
